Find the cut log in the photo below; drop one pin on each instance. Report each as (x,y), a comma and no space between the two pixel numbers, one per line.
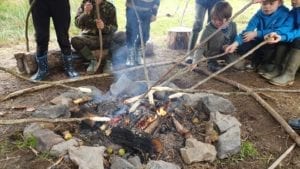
(178,38)
(26,62)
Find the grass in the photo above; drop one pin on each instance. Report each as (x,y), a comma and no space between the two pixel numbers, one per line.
(13,14)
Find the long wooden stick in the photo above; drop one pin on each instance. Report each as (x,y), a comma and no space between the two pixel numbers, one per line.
(48,85)
(32,120)
(262,102)
(230,64)
(81,78)
(275,164)
(26,24)
(100,36)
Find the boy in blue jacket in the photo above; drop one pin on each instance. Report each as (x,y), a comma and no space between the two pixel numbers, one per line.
(269,18)
(289,32)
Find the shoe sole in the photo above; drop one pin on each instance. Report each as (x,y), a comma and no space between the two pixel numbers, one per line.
(267,77)
(280,84)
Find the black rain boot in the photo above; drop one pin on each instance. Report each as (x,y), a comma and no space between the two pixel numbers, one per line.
(68,66)
(213,66)
(42,72)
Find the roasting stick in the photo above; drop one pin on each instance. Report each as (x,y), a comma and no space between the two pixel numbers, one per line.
(275,164)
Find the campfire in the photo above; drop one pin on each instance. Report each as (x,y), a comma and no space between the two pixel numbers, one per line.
(191,127)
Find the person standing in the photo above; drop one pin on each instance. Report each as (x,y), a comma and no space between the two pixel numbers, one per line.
(146,11)
(202,7)
(86,20)
(59,11)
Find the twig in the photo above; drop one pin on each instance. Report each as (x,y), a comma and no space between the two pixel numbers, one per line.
(100,36)
(230,64)
(262,102)
(56,163)
(274,165)
(168,89)
(188,68)
(9,158)
(32,120)
(35,152)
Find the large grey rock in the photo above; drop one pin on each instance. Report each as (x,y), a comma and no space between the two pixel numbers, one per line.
(29,129)
(87,157)
(161,165)
(196,151)
(213,103)
(52,111)
(45,137)
(135,161)
(224,122)
(63,147)
(121,163)
(229,143)
(125,86)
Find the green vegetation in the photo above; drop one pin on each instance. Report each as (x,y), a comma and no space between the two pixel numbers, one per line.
(13,14)
(248,150)
(29,142)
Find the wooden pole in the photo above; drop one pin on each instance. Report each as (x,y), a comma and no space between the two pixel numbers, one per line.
(262,102)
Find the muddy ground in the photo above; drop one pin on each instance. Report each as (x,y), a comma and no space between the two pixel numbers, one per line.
(258,126)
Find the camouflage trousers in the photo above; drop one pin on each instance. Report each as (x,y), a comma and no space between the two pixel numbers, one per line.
(92,42)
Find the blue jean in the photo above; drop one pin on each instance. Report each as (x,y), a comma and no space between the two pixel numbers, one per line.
(133,38)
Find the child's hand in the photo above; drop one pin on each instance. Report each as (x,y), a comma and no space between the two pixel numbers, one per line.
(272,37)
(99,23)
(88,7)
(248,36)
(231,48)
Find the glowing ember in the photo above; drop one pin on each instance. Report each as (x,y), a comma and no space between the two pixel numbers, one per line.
(161,111)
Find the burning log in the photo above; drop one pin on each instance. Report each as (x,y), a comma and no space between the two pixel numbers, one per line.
(82,100)
(150,129)
(180,129)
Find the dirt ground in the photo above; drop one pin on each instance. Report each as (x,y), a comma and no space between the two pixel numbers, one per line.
(258,126)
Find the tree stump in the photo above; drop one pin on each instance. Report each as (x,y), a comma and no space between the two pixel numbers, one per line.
(178,38)
(26,63)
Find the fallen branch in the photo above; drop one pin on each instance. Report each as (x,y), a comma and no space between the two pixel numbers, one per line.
(32,120)
(275,164)
(51,84)
(168,89)
(262,102)
(56,163)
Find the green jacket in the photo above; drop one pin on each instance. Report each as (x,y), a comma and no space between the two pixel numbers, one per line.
(87,23)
